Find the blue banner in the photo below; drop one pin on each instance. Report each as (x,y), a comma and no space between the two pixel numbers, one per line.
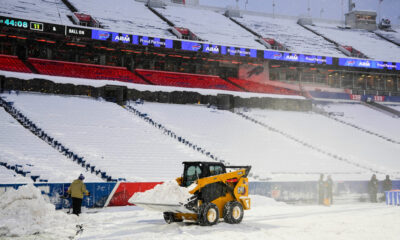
(218,49)
(150,41)
(57,193)
(294,57)
(101,35)
(191,46)
(365,63)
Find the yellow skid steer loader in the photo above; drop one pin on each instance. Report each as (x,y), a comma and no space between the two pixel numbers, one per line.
(218,194)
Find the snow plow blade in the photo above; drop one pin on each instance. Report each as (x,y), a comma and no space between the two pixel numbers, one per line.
(159,207)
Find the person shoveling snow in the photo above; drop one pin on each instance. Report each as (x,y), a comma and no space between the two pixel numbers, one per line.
(25,212)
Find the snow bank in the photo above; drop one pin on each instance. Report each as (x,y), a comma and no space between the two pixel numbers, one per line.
(25,212)
(262,201)
(167,193)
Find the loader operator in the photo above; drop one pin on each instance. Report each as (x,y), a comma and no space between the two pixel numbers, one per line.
(77,189)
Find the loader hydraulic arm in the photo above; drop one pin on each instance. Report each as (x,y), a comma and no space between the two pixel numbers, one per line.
(232,177)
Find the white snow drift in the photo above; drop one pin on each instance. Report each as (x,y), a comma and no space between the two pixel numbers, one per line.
(25,211)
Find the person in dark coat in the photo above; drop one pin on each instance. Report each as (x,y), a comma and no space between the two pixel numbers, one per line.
(77,189)
(321,189)
(329,189)
(387,185)
(373,188)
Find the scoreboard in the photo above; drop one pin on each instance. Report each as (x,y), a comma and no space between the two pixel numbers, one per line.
(43,27)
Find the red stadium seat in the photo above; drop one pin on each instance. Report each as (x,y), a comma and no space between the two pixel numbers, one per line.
(12,63)
(263,88)
(186,80)
(81,70)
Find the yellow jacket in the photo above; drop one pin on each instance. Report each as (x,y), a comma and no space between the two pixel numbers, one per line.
(77,189)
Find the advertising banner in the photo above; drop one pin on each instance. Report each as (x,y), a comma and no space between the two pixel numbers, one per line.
(364,63)
(294,57)
(218,49)
(153,42)
(125,190)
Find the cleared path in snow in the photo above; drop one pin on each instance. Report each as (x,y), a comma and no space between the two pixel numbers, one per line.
(266,220)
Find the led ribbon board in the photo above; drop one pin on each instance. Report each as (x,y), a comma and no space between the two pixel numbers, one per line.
(128,38)
(363,63)
(152,41)
(294,57)
(218,49)
(187,45)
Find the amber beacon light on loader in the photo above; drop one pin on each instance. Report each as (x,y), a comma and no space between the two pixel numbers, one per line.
(217,194)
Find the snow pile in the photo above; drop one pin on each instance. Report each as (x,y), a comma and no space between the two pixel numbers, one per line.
(25,212)
(258,201)
(167,193)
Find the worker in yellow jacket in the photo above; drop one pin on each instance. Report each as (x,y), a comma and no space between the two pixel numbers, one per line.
(77,189)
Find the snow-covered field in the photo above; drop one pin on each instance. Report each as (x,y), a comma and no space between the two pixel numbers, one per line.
(266,220)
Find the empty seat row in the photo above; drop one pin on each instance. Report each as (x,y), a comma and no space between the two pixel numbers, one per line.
(262,88)
(12,63)
(80,70)
(186,80)
(141,76)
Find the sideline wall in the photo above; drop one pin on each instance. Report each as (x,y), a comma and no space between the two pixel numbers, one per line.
(120,94)
(117,194)
(99,193)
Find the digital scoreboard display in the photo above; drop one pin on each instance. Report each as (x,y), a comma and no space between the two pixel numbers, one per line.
(13,22)
(31,25)
(36,26)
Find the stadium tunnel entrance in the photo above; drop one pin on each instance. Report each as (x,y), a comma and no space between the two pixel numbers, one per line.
(116,94)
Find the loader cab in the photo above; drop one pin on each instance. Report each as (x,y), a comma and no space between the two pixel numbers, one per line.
(195,170)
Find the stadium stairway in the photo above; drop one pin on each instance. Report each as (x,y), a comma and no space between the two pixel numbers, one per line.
(339,47)
(305,144)
(386,38)
(34,129)
(172,134)
(20,171)
(162,17)
(382,108)
(332,116)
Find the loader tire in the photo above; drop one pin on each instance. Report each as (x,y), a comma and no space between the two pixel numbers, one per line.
(233,212)
(208,214)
